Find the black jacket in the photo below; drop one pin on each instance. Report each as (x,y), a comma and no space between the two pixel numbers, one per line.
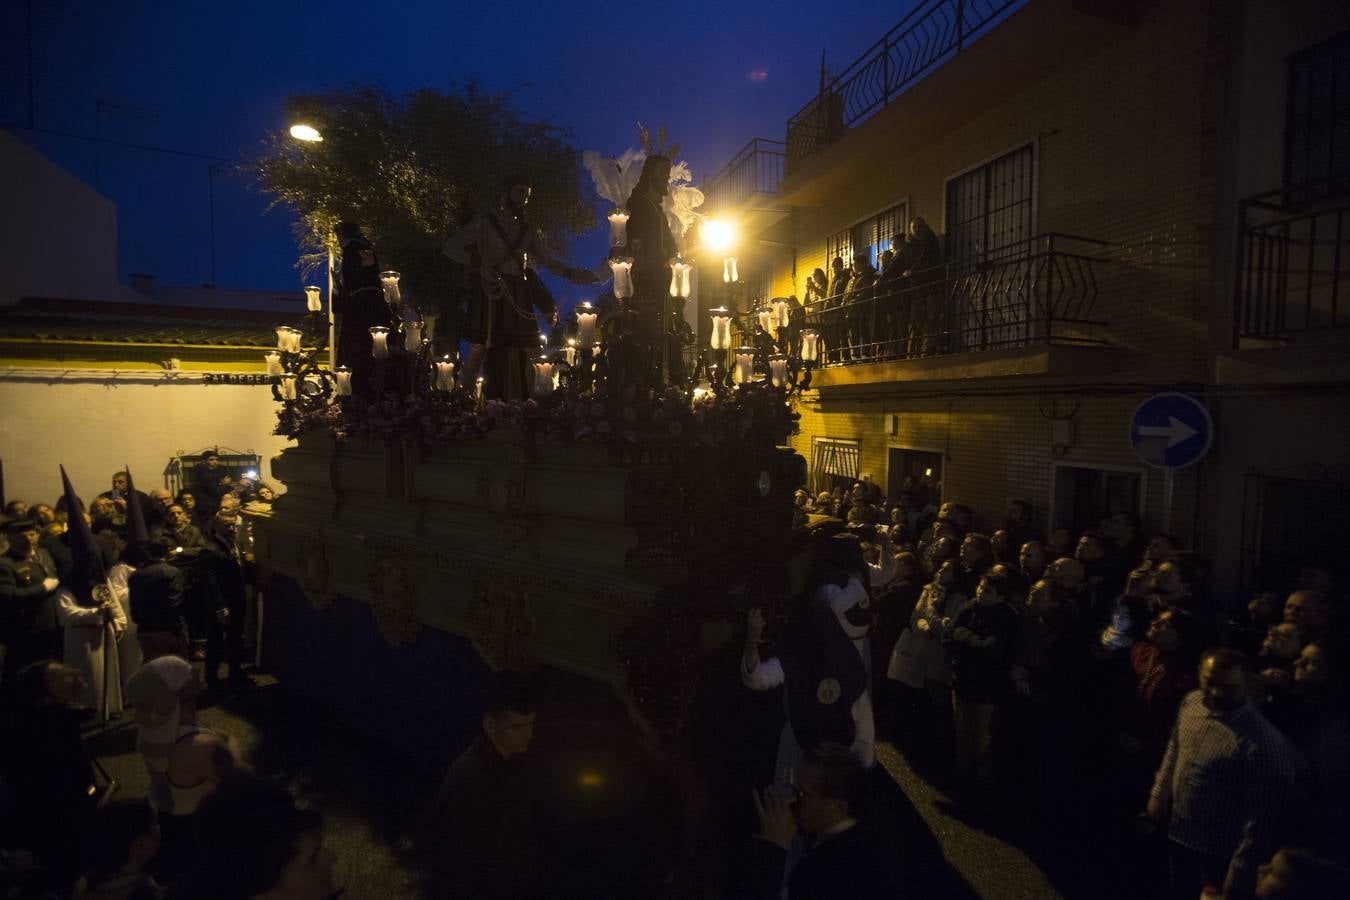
(25,605)
(848,866)
(157,597)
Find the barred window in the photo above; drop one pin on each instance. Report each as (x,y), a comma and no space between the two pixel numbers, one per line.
(1317,127)
(834,463)
(839,245)
(989,210)
(759,285)
(875,235)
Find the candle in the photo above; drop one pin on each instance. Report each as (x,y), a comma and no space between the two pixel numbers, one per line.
(445,374)
(543,377)
(312,302)
(782,312)
(478,388)
(429,320)
(344,381)
(778,369)
(618,227)
(379,342)
(273,362)
(586,316)
(729,273)
(284,338)
(765,319)
(288,386)
(622,267)
(745,364)
(679,278)
(412,336)
(389,281)
(721,330)
(296,336)
(810,350)
(570,352)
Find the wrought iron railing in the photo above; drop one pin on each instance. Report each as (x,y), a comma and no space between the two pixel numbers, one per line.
(1042,294)
(757,168)
(1293,263)
(934,32)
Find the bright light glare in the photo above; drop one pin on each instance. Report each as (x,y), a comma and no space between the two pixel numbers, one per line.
(251,473)
(303,132)
(717,236)
(591,779)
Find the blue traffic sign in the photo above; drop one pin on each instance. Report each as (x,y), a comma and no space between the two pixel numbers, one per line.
(1171,431)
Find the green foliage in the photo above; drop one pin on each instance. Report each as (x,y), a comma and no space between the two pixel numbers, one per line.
(411,170)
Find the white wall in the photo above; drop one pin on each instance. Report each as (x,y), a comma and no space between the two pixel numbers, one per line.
(94,423)
(59,234)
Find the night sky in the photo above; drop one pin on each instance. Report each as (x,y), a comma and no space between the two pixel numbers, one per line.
(212,79)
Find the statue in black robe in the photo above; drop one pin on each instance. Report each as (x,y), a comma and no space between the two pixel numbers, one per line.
(359,305)
(651,327)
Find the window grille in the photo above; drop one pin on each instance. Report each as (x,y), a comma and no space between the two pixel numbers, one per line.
(874,236)
(989,210)
(839,245)
(1317,127)
(833,462)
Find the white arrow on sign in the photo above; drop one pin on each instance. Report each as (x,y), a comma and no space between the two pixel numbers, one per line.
(1175,431)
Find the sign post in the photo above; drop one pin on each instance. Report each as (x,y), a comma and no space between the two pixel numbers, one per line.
(1171,431)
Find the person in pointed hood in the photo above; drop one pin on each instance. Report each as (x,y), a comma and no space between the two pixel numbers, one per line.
(90,617)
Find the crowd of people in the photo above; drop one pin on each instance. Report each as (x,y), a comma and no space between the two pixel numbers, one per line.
(1089,692)
(1095,685)
(896,308)
(101,605)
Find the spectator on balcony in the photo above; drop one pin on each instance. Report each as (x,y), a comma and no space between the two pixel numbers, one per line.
(923,316)
(835,334)
(860,317)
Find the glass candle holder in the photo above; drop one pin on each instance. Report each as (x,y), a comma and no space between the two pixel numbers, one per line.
(288,386)
(679,279)
(544,369)
(810,345)
(622,266)
(389,281)
(273,359)
(312,301)
(586,317)
(412,336)
(729,273)
(570,352)
(445,374)
(721,328)
(618,227)
(765,316)
(778,369)
(379,342)
(745,364)
(284,338)
(782,312)
(343,377)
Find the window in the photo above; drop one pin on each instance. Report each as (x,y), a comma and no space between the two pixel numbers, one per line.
(1288,523)
(924,466)
(989,210)
(1084,495)
(839,245)
(873,236)
(758,286)
(834,463)
(1317,127)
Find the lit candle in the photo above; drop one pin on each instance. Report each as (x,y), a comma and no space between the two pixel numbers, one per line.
(618,227)
(586,316)
(273,362)
(445,374)
(344,381)
(810,351)
(543,377)
(478,388)
(389,281)
(288,386)
(782,312)
(721,330)
(745,364)
(622,267)
(312,302)
(729,273)
(379,342)
(765,319)
(284,338)
(412,336)
(570,352)
(679,278)
(778,369)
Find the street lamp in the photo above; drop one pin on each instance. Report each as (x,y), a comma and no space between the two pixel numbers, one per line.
(308,133)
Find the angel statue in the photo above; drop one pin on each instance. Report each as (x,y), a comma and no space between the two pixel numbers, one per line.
(499,245)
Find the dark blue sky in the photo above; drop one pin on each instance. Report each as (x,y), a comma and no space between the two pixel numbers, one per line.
(212,78)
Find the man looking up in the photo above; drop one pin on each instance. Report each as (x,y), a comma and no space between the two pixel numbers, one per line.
(1224,784)
(485,805)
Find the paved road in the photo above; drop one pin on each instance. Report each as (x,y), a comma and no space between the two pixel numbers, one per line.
(374,800)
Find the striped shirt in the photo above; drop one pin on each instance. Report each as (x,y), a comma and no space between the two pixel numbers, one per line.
(1228,777)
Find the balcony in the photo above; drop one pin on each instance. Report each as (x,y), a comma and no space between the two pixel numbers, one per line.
(932,34)
(756,169)
(1293,266)
(997,317)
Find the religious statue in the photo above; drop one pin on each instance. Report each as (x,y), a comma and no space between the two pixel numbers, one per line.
(499,245)
(359,305)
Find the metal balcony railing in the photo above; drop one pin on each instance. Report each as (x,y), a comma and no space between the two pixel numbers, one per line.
(934,32)
(757,168)
(1035,293)
(1293,262)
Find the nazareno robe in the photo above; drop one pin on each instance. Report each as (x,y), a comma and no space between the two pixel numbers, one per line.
(91,649)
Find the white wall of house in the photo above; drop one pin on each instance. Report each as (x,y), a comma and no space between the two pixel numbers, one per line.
(95,422)
(59,234)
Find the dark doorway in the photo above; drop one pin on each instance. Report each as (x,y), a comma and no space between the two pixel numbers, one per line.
(1084,496)
(924,466)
